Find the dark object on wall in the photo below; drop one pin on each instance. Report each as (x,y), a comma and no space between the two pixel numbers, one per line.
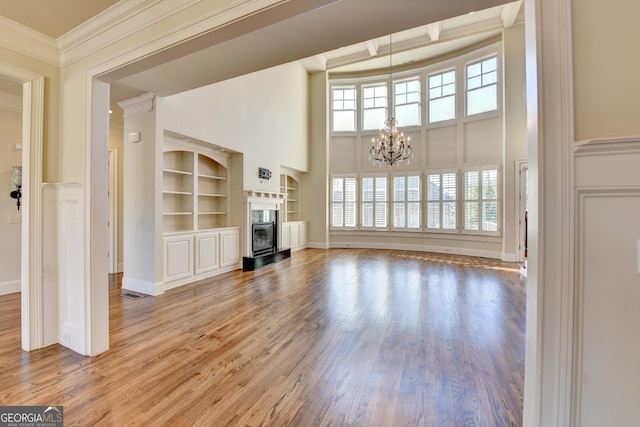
(264,173)
(16,194)
(17,181)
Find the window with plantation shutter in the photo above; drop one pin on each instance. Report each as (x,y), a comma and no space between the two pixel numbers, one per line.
(343,202)
(481,202)
(374,200)
(406,202)
(442,201)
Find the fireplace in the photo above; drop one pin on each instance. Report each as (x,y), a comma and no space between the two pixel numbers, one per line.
(264,241)
(263,228)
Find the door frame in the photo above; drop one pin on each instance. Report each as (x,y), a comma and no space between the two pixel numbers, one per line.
(113,210)
(33,310)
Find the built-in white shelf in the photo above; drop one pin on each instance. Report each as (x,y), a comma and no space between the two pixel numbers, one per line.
(194,194)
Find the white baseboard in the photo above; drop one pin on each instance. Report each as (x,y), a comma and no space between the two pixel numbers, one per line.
(509,257)
(120,267)
(143,287)
(10,287)
(316,245)
(421,248)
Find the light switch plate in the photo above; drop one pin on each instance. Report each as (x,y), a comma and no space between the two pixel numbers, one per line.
(15,218)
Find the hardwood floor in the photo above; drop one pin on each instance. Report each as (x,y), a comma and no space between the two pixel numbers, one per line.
(328,337)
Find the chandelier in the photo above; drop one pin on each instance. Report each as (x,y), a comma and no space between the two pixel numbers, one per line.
(390,147)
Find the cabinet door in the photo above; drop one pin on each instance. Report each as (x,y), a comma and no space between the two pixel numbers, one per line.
(229,247)
(284,244)
(303,233)
(294,235)
(207,252)
(178,257)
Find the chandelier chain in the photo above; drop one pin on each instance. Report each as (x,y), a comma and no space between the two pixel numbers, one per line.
(390,146)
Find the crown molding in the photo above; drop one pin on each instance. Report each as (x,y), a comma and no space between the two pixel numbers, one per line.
(26,41)
(114,24)
(11,102)
(147,15)
(138,105)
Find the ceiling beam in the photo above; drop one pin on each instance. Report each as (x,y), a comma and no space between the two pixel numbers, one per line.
(372,47)
(510,13)
(434,31)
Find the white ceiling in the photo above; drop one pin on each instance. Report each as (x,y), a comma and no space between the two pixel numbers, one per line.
(52,17)
(334,35)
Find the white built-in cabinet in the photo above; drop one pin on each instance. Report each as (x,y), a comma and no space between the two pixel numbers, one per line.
(294,235)
(198,241)
(294,230)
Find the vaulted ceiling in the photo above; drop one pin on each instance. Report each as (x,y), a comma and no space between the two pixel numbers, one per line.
(334,35)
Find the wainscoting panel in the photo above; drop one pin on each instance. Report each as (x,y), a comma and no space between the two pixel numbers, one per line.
(607,283)
(71,255)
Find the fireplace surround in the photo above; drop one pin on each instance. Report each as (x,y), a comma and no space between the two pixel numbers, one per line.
(263,229)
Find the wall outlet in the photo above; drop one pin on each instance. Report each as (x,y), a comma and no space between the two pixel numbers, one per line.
(66,338)
(15,218)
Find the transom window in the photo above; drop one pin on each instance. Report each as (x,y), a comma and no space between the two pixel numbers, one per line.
(407,102)
(442,96)
(344,109)
(374,106)
(482,86)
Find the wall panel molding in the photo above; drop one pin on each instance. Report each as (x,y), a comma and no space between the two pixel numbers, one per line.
(72,310)
(611,284)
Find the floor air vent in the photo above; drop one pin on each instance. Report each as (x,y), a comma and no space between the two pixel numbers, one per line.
(130,295)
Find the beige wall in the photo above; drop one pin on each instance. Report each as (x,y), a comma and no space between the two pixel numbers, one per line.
(315,185)
(51,73)
(116,142)
(10,243)
(263,115)
(605,68)
(515,130)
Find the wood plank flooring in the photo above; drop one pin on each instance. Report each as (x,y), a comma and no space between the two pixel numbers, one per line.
(329,337)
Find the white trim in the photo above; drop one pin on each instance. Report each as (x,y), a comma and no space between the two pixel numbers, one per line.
(577,343)
(318,245)
(147,15)
(143,287)
(9,287)
(549,319)
(605,141)
(113,208)
(138,105)
(31,259)
(28,42)
(417,248)
(100,30)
